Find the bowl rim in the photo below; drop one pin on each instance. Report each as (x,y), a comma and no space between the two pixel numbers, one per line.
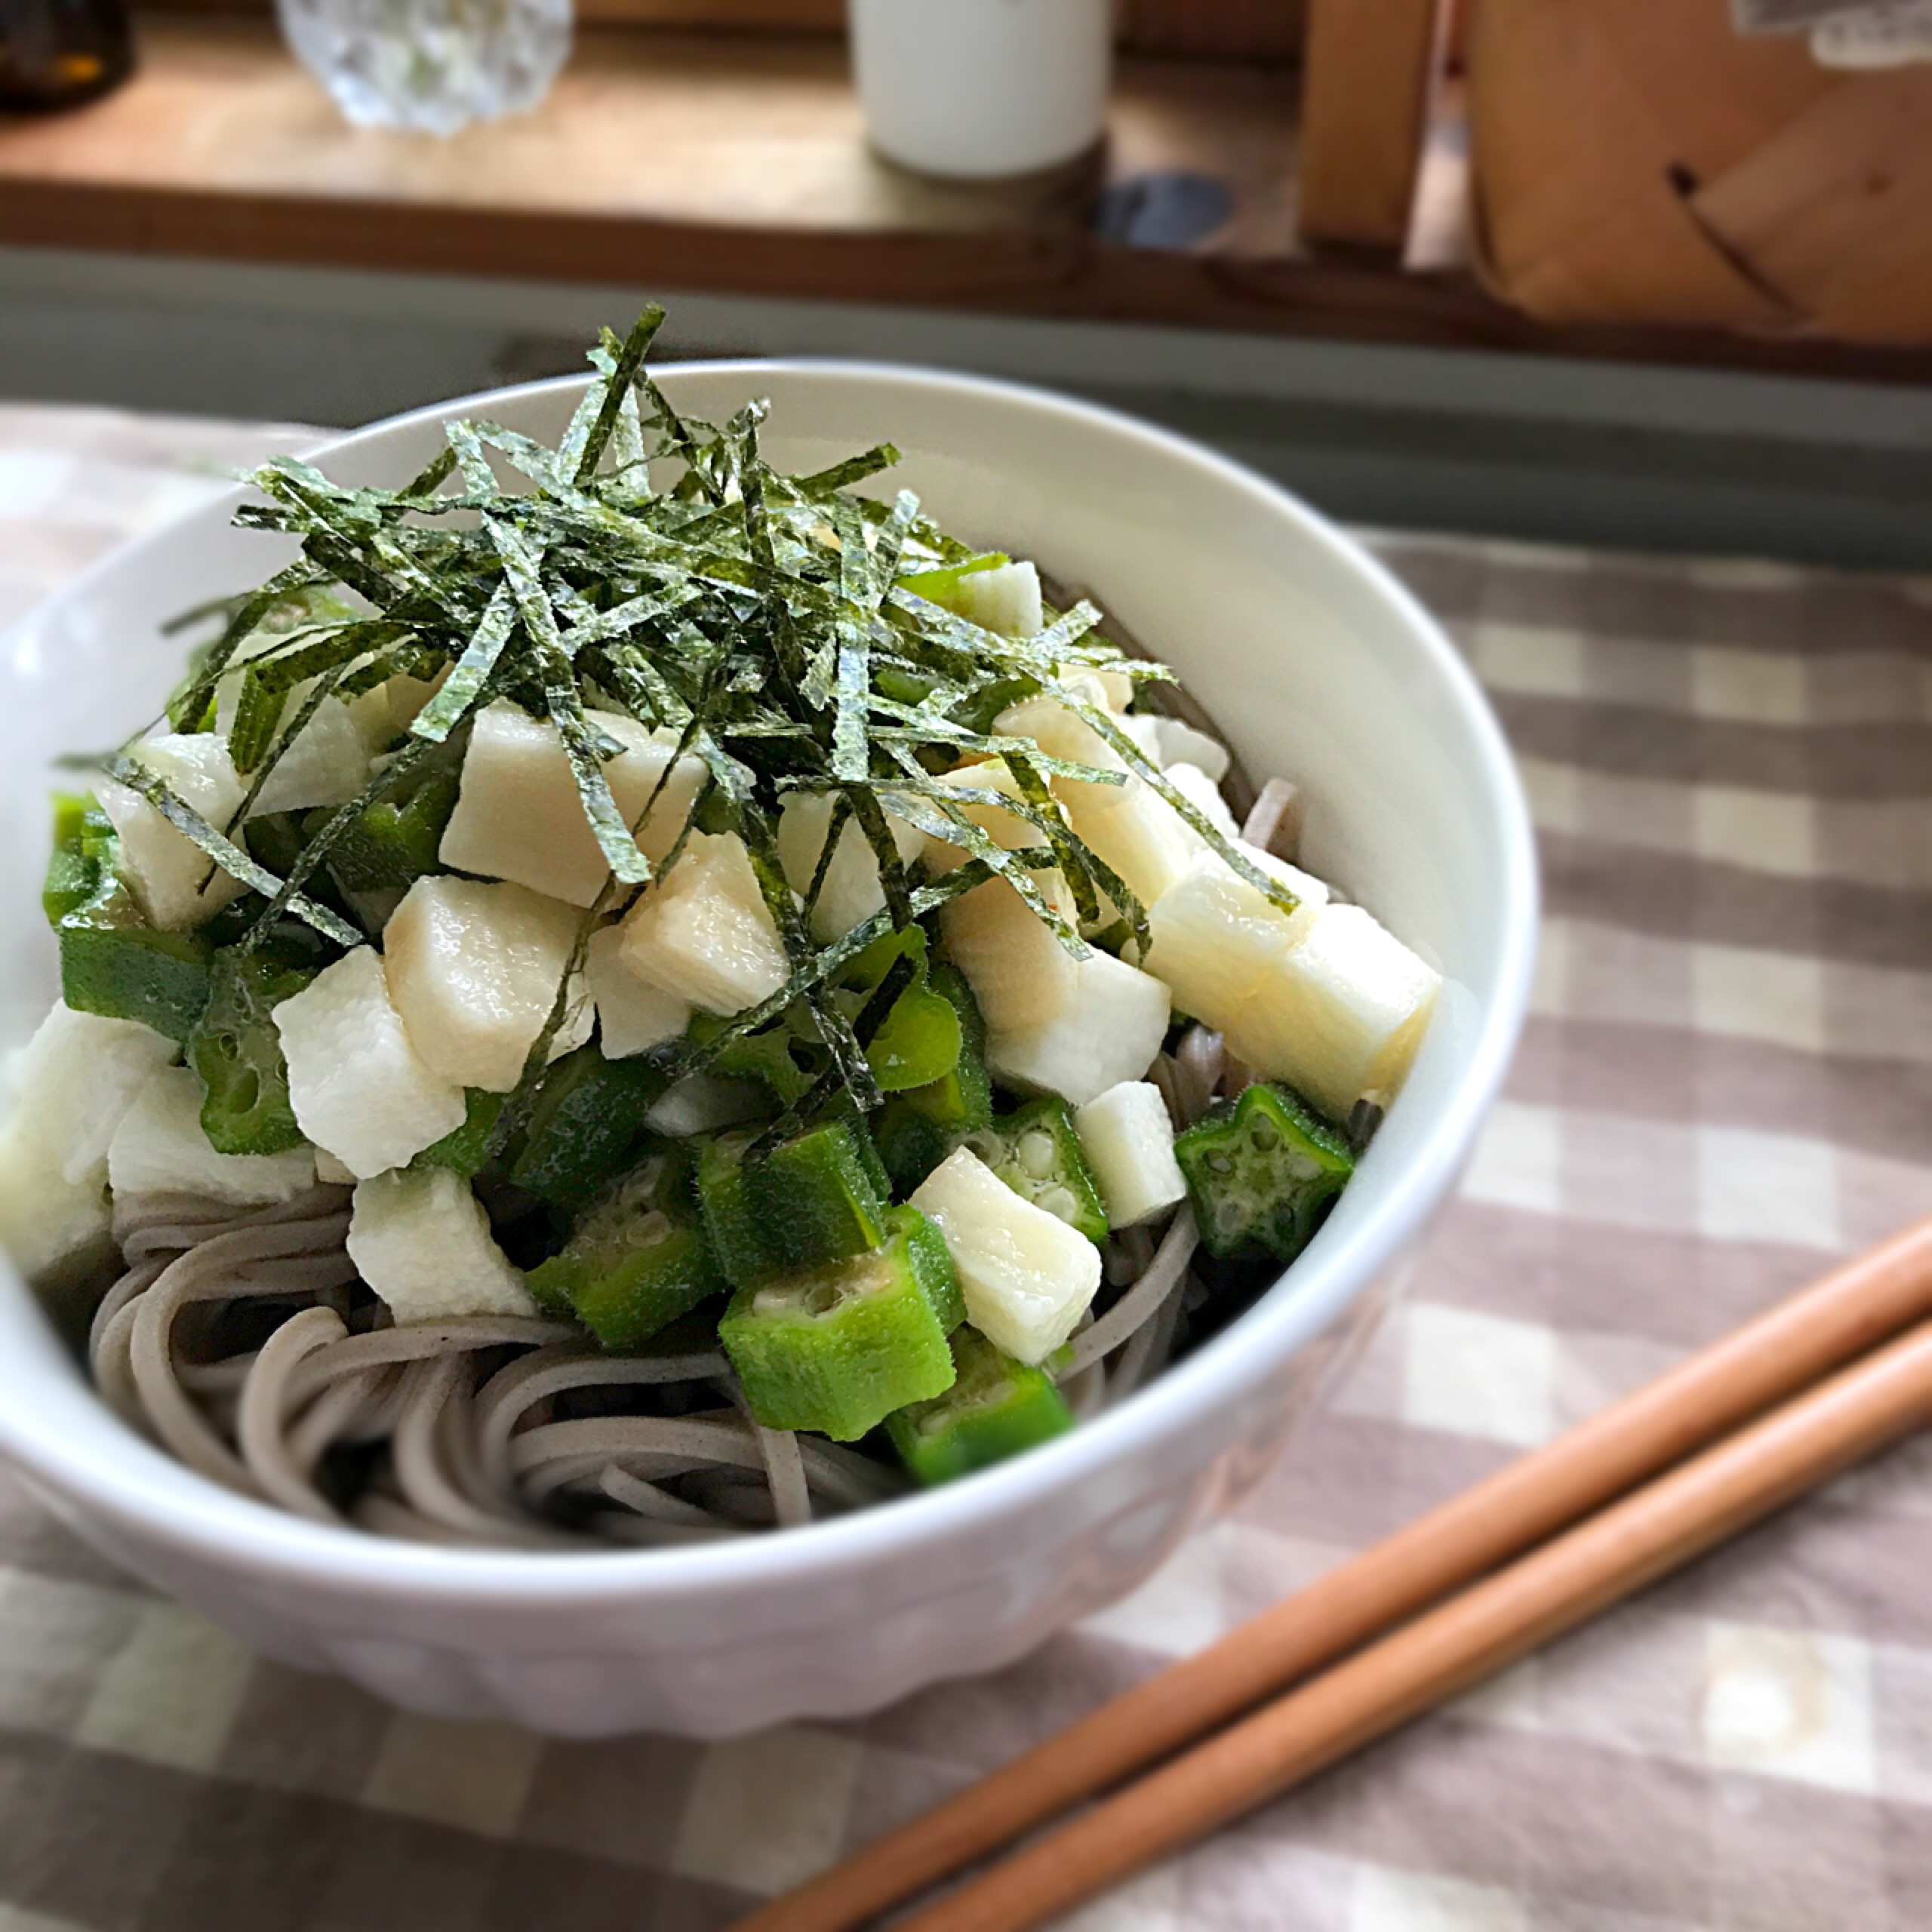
(216,1524)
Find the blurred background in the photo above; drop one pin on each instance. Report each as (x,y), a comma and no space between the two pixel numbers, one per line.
(1653,274)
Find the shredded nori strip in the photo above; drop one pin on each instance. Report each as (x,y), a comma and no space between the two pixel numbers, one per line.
(772,623)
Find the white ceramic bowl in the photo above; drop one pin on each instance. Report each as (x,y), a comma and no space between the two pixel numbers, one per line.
(1317,665)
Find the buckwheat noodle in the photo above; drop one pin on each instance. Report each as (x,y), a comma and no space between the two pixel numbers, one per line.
(241,1341)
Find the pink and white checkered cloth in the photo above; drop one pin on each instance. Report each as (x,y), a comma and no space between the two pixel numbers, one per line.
(1726,1083)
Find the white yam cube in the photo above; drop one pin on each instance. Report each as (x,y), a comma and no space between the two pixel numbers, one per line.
(1110,1031)
(1215,937)
(852,891)
(1008,831)
(1129,1143)
(702,1103)
(1338,1015)
(358,1086)
(159,1148)
(1205,795)
(46,1220)
(76,1078)
(1116,686)
(422,1241)
(1020,974)
(1132,829)
(518,816)
(1182,744)
(704,933)
(382,715)
(164,867)
(1006,599)
(474,970)
(330,1172)
(1059,731)
(632,1014)
(579,1023)
(1144,728)
(1026,1276)
(328,764)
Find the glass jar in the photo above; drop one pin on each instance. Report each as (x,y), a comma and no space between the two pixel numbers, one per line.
(433,65)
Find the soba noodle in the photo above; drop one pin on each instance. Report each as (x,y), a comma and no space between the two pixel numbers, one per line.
(242,1341)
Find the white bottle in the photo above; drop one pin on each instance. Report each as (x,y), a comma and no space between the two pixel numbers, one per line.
(977,89)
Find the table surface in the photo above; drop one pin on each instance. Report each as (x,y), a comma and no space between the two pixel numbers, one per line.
(1726,1081)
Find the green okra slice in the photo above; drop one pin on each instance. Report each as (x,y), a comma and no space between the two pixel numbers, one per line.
(1037,1152)
(1261,1171)
(639,1258)
(932,1264)
(113,961)
(467,1148)
(235,1048)
(812,1200)
(586,1116)
(391,842)
(786,1058)
(838,1348)
(996,1407)
(918,1043)
(81,835)
(917,1129)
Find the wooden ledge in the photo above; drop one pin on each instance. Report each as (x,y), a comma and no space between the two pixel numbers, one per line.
(737,163)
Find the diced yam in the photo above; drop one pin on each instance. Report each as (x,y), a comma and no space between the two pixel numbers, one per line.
(1131,827)
(1144,728)
(1059,731)
(518,816)
(164,867)
(46,1220)
(852,891)
(1215,937)
(1006,599)
(1116,686)
(1026,1276)
(632,1014)
(1338,1015)
(1129,1144)
(1009,831)
(702,1103)
(422,1241)
(74,1080)
(330,1172)
(704,933)
(474,970)
(328,764)
(1020,974)
(159,1148)
(1182,744)
(579,1023)
(382,715)
(1110,1031)
(357,1085)
(73,1084)
(1201,791)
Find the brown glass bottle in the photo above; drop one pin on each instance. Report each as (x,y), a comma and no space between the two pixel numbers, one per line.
(56,53)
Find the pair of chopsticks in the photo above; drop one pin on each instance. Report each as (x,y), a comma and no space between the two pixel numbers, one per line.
(1689,1460)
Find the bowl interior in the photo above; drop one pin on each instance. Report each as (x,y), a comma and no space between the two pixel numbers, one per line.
(1316,666)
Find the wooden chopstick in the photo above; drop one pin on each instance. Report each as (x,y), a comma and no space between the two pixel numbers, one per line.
(1491,1625)
(1838,1319)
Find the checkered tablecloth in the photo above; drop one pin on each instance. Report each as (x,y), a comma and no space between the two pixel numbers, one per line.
(1727,1081)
